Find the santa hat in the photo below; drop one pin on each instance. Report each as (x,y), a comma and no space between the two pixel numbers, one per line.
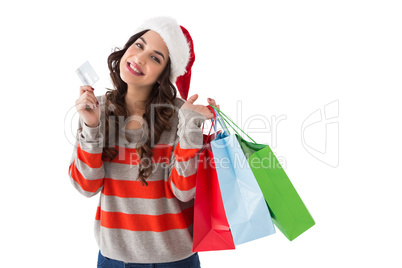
(181,50)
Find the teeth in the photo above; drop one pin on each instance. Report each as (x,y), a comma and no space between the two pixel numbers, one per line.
(134,69)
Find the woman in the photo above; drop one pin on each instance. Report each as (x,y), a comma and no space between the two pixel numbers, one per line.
(138,145)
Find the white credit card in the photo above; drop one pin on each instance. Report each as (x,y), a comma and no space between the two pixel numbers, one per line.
(87,74)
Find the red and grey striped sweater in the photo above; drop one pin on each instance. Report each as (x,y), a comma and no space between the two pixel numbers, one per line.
(136,223)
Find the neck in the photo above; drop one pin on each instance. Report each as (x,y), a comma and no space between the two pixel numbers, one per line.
(136,99)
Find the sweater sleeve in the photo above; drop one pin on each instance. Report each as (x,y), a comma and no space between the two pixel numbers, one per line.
(86,168)
(184,161)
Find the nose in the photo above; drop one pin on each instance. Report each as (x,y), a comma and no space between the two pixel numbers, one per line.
(140,58)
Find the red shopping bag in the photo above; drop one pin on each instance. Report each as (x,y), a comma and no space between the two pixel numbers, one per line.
(211,228)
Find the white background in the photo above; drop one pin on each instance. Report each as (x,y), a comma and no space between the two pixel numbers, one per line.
(280,58)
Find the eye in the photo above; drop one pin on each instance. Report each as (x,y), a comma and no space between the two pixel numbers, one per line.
(156,59)
(138,45)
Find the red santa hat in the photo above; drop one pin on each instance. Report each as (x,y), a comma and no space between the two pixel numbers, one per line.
(181,50)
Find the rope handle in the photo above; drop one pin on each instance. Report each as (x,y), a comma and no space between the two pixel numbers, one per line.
(227,120)
(213,122)
(222,122)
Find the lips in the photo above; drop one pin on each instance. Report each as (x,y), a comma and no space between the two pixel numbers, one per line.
(134,68)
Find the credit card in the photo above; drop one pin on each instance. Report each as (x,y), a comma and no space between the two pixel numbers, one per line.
(87,74)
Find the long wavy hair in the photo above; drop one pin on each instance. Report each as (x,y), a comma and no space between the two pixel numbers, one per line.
(161,99)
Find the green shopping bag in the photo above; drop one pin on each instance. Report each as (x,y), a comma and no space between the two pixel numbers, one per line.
(288,211)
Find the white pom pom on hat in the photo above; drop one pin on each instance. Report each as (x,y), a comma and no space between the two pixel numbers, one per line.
(180,46)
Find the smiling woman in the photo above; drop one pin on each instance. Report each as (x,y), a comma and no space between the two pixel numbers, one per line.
(132,147)
(135,94)
(144,61)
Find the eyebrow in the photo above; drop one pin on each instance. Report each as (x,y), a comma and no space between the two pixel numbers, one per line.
(157,52)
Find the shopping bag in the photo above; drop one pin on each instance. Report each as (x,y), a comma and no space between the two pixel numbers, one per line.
(211,229)
(244,203)
(288,211)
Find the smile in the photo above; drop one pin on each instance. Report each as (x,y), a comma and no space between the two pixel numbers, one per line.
(134,69)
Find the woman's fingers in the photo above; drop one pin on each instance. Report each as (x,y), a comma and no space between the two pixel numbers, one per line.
(84,89)
(213,103)
(192,99)
(87,99)
(86,104)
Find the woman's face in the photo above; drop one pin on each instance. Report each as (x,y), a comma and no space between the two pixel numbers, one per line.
(144,61)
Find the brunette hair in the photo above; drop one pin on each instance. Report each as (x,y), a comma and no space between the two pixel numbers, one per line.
(161,99)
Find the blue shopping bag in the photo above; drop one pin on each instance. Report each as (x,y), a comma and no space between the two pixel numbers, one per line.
(243,201)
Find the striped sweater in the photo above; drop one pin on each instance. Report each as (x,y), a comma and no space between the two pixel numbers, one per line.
(136,223)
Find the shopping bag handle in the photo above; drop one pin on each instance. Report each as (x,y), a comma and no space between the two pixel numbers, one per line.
(222,122)
(227,120)
(213,122)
